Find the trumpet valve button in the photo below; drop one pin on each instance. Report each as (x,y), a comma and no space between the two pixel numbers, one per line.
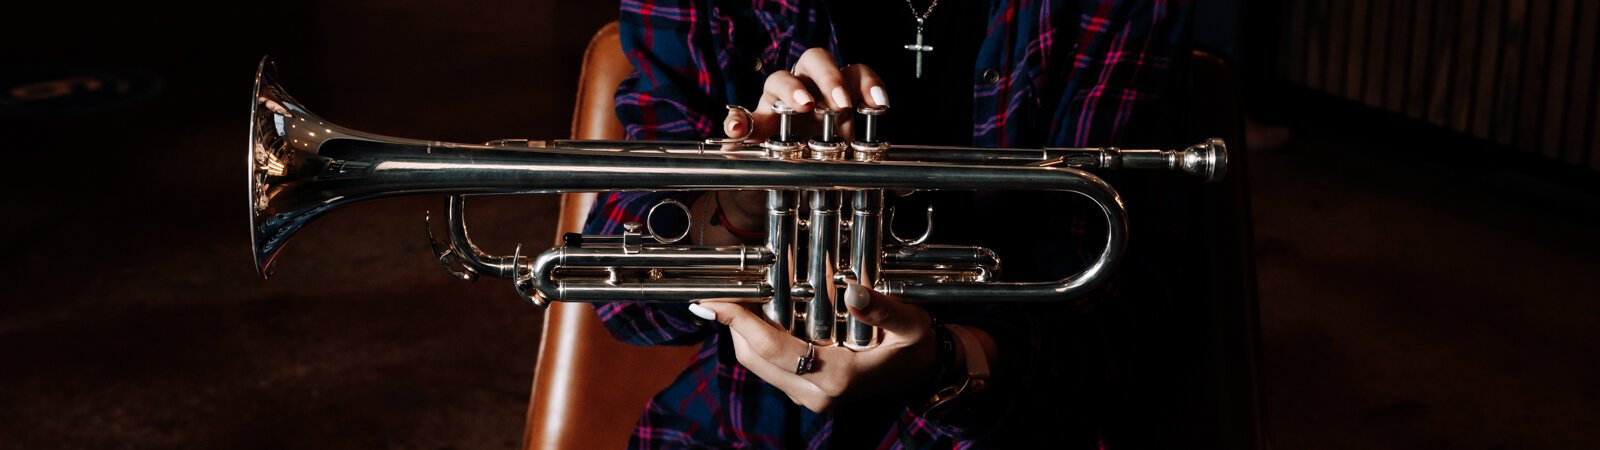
(827,151)
(869,125)
(785,122)
(868,151)
(776,149)
(830,123)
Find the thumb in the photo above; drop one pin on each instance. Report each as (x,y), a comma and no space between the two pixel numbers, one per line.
(883,311)
(738,123)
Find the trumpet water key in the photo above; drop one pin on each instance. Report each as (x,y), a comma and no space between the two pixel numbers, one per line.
(826,219)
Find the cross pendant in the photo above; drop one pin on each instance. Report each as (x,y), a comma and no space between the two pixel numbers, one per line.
(919,49)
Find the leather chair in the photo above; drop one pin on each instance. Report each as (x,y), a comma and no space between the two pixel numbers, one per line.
(589,388)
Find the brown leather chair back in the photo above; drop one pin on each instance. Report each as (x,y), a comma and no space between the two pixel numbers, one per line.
(589,388)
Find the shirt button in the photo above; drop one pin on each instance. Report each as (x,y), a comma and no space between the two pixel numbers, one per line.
(758,65)
(991,76)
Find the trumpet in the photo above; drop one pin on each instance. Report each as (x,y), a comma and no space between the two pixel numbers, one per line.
(301,166)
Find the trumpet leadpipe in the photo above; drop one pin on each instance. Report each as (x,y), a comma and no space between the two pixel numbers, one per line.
(1207,160)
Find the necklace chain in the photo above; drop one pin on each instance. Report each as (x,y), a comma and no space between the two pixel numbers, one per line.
(923,16)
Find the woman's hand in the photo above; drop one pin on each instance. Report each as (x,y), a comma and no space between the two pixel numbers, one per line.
(900,364)
(814,77)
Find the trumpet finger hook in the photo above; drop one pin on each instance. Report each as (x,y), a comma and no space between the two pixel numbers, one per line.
(445,255)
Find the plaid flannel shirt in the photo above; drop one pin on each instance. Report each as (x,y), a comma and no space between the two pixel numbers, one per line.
(1071,74)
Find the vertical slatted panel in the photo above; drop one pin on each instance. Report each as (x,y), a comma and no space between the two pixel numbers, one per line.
(1594,136)
(1593,142)
(1526,133)
(1442,61)
(1292,64)
(1574,129)
(1338,21)
(1355,50)
(1514,39)
(1556,88)
(1462,72)
(1489,18)
(1521,73)
(1400,34)
(1316,41)
(1377,52)
(1421,45)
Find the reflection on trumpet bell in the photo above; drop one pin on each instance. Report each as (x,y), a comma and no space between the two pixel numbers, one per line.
(301,166)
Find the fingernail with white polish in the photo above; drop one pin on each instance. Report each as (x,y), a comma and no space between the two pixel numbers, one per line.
(802,97)
(702,312)
(840,100)
(857,296)
(879,97)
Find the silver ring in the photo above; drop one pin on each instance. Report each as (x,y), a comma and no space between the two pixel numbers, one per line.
(808,363)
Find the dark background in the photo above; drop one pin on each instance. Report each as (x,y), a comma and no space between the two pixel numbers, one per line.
(132,314)
(1413,294)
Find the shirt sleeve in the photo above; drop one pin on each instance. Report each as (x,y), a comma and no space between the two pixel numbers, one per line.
(671,90)
(1127,52)
(693,57)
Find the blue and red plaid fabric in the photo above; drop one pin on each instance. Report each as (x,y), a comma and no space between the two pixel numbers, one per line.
(1064,81)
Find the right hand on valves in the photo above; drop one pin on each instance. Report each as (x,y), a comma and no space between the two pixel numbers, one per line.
(814,77)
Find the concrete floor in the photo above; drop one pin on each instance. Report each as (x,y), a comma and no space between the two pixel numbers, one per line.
(1409,304)
(1404,305)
